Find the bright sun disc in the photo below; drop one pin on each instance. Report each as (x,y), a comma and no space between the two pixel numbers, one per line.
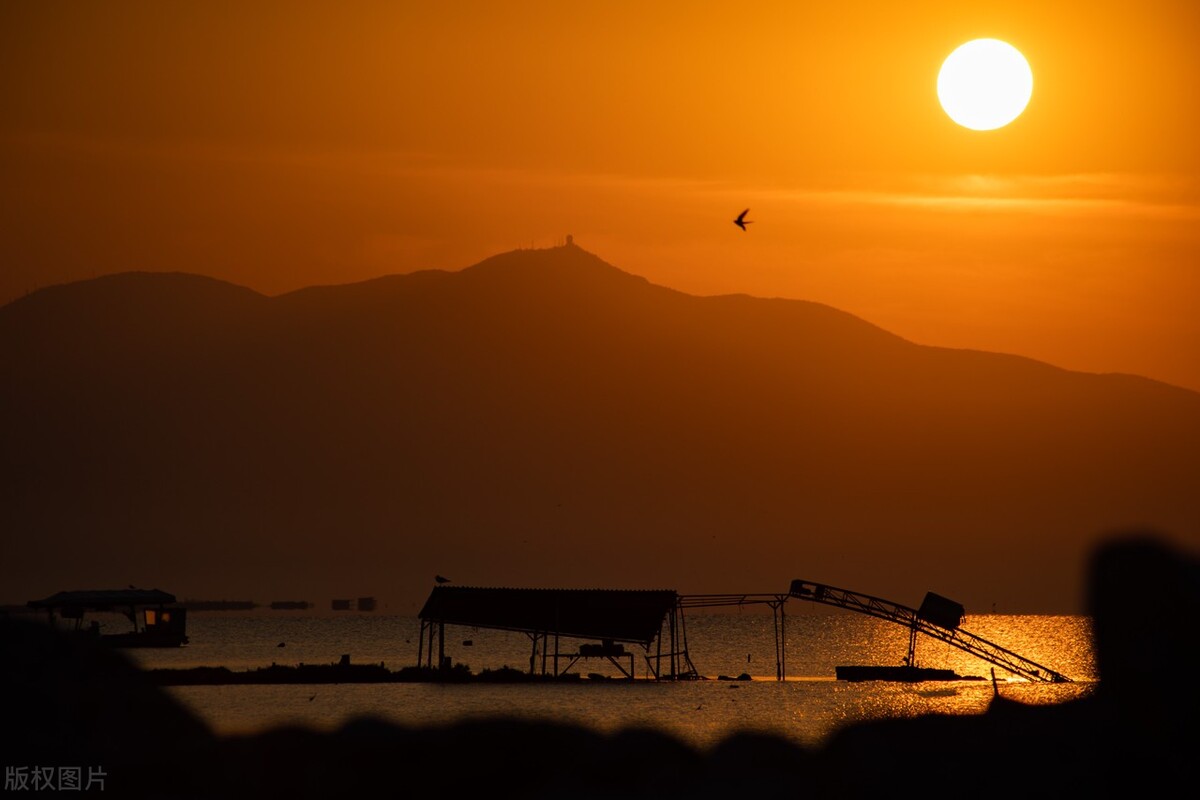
(985,84)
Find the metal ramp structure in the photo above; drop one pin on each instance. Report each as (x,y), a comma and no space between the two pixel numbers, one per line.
(938,618)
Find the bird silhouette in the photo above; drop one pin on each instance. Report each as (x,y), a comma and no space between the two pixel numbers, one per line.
(741,220)
(440,579)
(282,644)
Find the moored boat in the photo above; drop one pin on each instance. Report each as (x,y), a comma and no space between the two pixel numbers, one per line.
(905,674)
(156,619)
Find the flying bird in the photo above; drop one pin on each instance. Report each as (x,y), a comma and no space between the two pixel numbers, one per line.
(741,220)
(440,579)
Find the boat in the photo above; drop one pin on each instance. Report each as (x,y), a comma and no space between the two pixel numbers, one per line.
(219,605)
(903,674)
(156,619)
(290,605)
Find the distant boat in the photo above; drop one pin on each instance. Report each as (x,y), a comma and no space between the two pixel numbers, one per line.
(366,604)
(340,605)
(219,605)
(290,605)
(156,619)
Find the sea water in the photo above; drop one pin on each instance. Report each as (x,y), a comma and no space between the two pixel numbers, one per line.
(806,707)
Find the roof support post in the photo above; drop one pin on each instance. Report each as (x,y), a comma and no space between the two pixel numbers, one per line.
(441,645)
(421,643)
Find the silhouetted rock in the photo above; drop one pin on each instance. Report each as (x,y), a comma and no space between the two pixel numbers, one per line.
(70,700)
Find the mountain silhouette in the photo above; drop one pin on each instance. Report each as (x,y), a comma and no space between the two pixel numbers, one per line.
(545,419)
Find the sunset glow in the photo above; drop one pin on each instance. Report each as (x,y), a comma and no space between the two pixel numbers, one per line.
(282,155)
(389,387)
(329,144)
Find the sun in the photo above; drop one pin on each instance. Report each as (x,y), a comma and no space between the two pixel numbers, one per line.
(985,84)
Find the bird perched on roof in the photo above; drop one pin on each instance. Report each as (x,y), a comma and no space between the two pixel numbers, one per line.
(741,220)
(440,579)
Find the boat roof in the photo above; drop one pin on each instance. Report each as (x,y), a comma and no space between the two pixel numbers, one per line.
(104,599)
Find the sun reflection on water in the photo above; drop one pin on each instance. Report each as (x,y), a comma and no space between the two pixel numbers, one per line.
(805,708)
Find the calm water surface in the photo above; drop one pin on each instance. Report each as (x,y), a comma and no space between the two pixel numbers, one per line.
(807,707)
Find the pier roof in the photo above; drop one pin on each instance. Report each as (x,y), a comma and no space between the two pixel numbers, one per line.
(622,615)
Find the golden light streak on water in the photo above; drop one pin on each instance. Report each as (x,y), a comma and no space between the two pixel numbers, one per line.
(806,708)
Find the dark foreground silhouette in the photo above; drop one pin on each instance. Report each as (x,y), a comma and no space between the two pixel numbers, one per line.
(72,702)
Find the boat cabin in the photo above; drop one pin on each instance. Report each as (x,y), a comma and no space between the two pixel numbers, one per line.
(156,619)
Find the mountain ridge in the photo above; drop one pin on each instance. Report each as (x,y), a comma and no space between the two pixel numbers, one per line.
(390,281)
(546,414)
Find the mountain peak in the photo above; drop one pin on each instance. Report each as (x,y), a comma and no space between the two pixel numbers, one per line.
(567,273)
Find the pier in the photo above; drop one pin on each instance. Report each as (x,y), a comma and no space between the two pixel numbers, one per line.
(612,617)
(655,621)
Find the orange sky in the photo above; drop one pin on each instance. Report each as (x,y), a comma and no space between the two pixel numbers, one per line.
(278,145)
